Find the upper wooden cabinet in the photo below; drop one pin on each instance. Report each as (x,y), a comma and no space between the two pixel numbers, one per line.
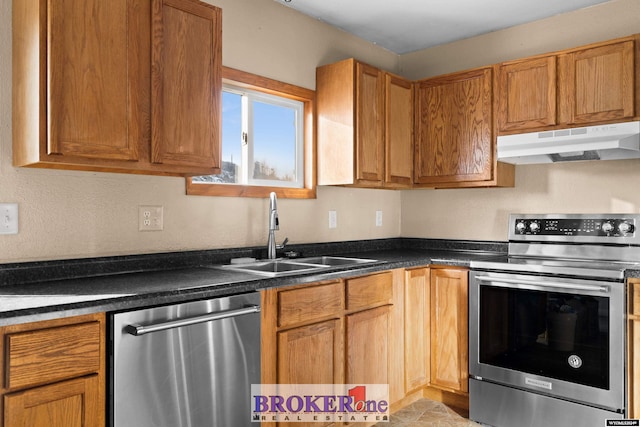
(398,166)
(122,85)
(597,83)
(455,145)
(527,94)
(364,127)
(584,86)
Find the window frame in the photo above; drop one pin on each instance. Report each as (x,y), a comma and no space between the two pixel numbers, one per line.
(265,85)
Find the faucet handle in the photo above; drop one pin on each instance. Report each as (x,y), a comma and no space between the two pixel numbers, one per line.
(284,243)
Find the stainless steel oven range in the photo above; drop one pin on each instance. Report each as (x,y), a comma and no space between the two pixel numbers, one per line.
(547,322)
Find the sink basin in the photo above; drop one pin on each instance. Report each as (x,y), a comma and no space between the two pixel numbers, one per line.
(284,267)
(334,261)
(274,268)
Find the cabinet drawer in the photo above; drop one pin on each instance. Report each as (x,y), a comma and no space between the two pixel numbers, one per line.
(305,305)
(369,291)
(48,355)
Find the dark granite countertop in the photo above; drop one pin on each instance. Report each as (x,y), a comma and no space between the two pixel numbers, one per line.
(46,290)
(54,289)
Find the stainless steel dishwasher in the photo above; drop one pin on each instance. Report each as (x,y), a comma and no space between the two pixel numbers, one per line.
(186,365)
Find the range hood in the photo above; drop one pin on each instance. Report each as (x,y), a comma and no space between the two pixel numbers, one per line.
(604,142)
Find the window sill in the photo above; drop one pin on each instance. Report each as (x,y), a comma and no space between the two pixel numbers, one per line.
(229,190)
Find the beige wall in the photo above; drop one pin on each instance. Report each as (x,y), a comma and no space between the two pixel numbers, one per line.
(561,188)
(66,214)
(84,214)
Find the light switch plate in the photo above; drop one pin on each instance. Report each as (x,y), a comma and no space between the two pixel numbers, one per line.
(150,218)
(8,218)
(378,218)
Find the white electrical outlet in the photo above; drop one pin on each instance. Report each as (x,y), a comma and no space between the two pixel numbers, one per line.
(8,218)
(378,218)
(333,219)
(150,218)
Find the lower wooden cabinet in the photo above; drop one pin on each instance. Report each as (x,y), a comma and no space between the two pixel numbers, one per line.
(436,330)
(405,328)
(335,332)
(54,373)
(368,346)
(633,348)
(417,331)
(311,354)
(73,403)
(449,329)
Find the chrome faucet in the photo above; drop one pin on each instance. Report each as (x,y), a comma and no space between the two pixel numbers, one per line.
(274,224)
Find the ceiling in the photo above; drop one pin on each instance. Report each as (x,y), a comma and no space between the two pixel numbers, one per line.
(403,26)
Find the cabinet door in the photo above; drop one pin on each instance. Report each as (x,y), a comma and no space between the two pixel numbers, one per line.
(97,79)
(73,403)
(597,84)
(416,328)
(368,346)
(186,84)
(311,354)
(369,124)
(453,128)
(449,329)
(527,94)
(398,132)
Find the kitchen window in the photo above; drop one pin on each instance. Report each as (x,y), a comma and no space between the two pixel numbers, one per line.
(267,140)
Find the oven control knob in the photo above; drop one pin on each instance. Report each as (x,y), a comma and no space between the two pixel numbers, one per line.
(521,226)
(534,226)
(625,227)
(607,227)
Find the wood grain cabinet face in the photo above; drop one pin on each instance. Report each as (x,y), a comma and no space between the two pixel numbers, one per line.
(449,329)
(598,84)
(94,108)
(417,309)
(337,332)
(83,89)
(454,138)
(527,94)
(73,403)
(54,373)
(186,83)
(369,124)
(367,346)
(398,132)
(364,126)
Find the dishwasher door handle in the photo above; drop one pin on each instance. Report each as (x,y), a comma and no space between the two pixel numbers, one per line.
(138,330)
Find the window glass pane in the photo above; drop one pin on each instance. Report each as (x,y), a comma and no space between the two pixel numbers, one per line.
(231,141)
(274,142)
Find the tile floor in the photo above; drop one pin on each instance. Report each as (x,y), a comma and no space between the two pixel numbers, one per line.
(427,413)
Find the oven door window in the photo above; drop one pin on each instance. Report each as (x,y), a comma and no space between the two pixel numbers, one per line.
(556,335)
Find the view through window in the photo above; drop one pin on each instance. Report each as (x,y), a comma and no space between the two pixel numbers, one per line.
(262,140)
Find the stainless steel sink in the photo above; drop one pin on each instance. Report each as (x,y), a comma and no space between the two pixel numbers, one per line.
(274,268)
(284,267)
(334,261)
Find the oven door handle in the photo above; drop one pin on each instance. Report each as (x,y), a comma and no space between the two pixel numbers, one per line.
(138,330)
(547,285)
